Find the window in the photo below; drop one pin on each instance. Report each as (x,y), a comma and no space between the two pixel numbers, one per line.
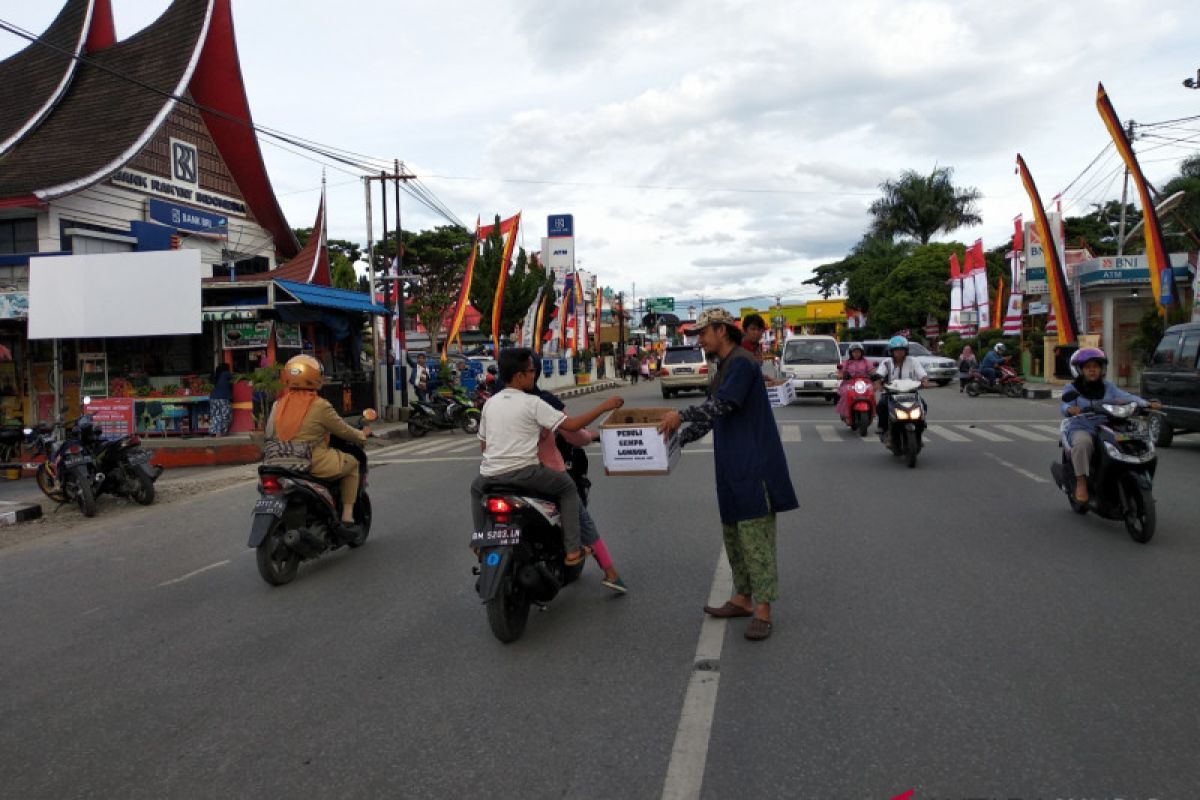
(1164,354)
(1188,350)
(915,349)
(682,355)
(18,236)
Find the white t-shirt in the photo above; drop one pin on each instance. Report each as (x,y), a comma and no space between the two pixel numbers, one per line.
(509,426)
(910,370)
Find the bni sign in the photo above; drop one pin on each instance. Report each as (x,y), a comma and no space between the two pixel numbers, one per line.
(560,225)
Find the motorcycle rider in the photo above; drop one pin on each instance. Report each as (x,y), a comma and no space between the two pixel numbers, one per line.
(855,366)
(896,367)
(301,416)
(509,427)
(992,361)
(1088,391)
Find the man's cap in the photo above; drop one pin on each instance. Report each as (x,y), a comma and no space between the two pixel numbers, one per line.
(715,316)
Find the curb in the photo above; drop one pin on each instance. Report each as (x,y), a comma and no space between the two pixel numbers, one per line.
(1038,393)
(12,513)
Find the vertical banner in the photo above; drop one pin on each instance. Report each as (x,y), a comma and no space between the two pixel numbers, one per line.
(511,226)
(1060,301)
(956,292)
(968,295)
(540,320)
(581,328)
(1162,279)
(979,272)
(599,309)
(1012,316)
(529,333)
(464,296)
(565,303)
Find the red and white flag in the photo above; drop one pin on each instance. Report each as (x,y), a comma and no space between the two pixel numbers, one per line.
(978,274)
(956,296)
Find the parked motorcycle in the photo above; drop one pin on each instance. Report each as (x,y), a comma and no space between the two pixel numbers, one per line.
(906,419)
(443,412)
(521,558)
(297,516)
(68,473)
(1120,483)
(122,465)
(1007,383)
(856,404)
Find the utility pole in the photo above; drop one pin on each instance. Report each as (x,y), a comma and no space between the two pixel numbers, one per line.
(402,340)
(1124,199)
(620,332)
(387,298)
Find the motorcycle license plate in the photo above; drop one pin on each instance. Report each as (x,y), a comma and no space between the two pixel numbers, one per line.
(76,461)
(269,505)
(139,456)
(496,537)
(812,384)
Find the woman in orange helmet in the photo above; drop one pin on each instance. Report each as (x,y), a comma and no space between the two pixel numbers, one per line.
(301,416)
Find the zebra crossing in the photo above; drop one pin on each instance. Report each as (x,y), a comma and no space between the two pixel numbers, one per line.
(456,447)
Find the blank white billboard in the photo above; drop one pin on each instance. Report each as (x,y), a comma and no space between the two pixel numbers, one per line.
(115,294)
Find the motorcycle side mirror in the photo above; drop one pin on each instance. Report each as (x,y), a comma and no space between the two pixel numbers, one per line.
(370,415)
(87,400)
(28,431)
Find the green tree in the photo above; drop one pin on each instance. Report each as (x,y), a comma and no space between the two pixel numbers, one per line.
(915,289)
(520,289)
(918,206)
(1181,228)
(439,258)
(871,260)
(1098,229)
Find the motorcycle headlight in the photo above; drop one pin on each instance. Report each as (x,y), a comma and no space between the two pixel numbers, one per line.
(1119,410)
(901,413)
(860,386)
(915,413)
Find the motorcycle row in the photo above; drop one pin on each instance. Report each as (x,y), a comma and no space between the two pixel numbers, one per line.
(80,464)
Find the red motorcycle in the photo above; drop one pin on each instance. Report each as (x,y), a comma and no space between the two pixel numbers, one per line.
(1007,383)
(856,403)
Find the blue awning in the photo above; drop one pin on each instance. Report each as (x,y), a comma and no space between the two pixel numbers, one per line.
(328,297)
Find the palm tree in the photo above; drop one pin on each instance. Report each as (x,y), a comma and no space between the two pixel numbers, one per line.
(918,206)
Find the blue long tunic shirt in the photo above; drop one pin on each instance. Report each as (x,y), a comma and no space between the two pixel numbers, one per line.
(747,452)
(1112,394)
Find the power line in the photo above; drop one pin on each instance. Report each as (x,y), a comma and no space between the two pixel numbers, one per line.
(649,187)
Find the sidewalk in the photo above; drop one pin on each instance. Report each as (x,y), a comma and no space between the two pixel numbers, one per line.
(204,460)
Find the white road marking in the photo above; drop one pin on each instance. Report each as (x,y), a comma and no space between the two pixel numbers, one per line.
(194,573)
(690,451)
(430,447)
(1054,430)
(789,432)
(983,433)
(828,434)
(685,772)
(1019,470)
(946,433)
(1032,436)
(428,460)
(458,448)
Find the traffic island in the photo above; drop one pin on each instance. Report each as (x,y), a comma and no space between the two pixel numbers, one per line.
(1040,392)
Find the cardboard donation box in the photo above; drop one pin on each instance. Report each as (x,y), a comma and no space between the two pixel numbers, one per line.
(633,446)
(783,394)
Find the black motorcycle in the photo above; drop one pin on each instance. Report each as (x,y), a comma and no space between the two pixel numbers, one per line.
(443,413)
(521,558)
(67,475)
(122,466)
(1121,479)
(906,419)
(297,516)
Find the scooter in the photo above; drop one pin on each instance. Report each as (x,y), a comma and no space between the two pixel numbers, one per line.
(906,419)
(122,465)
(521,558)
(1121,479)
(297,516)
(856,404)
(1007,383)
(443,412)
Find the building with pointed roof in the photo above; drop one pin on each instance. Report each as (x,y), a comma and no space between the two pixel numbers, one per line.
(141,144)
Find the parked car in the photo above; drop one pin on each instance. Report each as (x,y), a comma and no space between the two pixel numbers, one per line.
(684,369)
(1172,376)
(941,370)
(811,362)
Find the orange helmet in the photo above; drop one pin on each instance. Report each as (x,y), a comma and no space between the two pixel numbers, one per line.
(303,372)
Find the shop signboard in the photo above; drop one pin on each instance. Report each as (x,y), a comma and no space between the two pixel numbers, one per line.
(14,305)
(245,335)
(182,218)
(112,415)
(287,335)
(660,305)
(558,225)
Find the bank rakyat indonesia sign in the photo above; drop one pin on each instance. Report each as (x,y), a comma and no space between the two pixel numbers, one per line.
(182,218)
(177,190)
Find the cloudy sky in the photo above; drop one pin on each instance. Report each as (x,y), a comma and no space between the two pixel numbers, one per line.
(715,147)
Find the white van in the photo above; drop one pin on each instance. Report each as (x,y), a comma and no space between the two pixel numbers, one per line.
(811,362)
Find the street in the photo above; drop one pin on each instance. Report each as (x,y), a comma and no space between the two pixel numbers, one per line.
(953,629)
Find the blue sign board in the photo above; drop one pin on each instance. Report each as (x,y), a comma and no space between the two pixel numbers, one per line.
(182,218)
(560,225)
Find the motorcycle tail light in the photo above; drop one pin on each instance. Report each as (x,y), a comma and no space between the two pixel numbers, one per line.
(135,440)
(270,485)
(74,449)
(498,505)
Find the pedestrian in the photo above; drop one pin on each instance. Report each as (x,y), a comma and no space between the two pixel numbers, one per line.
(753,328)
(753,483)
(420,378)
(966,365)
(631,367)
(645,368)
(220,401)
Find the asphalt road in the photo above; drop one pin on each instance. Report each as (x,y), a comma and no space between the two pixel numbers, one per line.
(952,629)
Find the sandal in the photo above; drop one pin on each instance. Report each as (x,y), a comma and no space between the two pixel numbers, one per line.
(728,611)
(582,554)
(759,629)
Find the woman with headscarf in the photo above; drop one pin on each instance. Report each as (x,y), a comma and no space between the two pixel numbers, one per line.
(220,401)
(967,363)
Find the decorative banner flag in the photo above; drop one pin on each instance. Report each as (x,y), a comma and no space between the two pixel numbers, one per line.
(599,309)
(509,226)
(529,325)
(1051,322)
(1012,316)
(543,296)
(566,303)
(969,317)
(999,314)
(581,328)
(464,296)
(932,331)
(956,292)
(1018,235)
(979,275)
(1056,279)
(1162,279)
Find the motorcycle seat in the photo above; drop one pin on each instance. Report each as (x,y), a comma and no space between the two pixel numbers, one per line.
(518,491)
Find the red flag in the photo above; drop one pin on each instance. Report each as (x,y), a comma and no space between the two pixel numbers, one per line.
(955,272)
(1018,233)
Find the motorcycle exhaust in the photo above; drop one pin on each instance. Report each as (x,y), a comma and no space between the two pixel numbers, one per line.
(545,586)
(304,541)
